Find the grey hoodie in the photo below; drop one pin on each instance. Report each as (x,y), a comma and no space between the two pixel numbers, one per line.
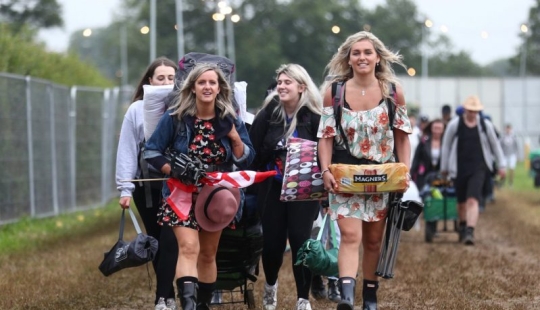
(488,140)
(131,135)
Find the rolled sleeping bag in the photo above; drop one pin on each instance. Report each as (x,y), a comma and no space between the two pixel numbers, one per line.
(154,106)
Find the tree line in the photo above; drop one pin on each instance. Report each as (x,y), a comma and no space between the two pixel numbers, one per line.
(273,32)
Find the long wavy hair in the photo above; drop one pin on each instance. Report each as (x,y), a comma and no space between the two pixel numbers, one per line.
(310,97)
(338,68)
(145,80)
(184,100)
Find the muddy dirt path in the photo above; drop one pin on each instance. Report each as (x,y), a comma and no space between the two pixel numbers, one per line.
(501,271)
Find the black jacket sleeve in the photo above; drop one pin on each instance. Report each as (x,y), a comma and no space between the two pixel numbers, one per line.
(257,132)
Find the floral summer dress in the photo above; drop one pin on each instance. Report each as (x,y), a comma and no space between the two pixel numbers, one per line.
(369,136)
(209,151)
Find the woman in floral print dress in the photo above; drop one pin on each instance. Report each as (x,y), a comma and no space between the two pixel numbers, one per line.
(363,63)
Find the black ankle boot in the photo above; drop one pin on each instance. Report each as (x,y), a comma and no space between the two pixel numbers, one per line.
(204,295)
(369,295)
(461,231)
(333,291)
(318,290)
(187,292)
(347,287)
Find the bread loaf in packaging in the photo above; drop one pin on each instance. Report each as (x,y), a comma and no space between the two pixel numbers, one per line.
(370,179)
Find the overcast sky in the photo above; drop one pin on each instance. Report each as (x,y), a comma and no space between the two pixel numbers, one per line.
(465,20)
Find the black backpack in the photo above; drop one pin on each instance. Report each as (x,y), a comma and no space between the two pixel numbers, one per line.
(337,103)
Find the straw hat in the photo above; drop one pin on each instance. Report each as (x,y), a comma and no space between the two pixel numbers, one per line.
(472,103)
(216,207)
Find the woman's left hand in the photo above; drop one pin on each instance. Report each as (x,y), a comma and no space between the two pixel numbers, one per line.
(236,142)
(408,184)
(233,134)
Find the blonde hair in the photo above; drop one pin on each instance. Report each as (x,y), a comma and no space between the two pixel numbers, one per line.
(310,97)
(184,102)
(339,70)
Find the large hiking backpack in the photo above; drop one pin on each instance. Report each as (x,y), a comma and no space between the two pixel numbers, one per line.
(190,60)
(157,100)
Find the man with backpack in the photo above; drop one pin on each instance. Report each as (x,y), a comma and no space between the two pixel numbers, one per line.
(469,150)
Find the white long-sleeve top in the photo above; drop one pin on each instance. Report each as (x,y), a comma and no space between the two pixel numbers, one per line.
(131,136)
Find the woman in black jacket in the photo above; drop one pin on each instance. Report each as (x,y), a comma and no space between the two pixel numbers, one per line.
(427,157)
(293,109)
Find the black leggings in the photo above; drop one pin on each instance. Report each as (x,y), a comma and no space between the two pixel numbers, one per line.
(165,262)
(281,220)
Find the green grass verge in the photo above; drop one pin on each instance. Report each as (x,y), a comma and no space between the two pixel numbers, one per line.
(523,180)
(31,233)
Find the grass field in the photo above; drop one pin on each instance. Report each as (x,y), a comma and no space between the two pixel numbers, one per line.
(523,181)
(28,233)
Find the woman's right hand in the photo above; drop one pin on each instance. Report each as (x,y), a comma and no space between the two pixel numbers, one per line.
(124,202)
(330,183)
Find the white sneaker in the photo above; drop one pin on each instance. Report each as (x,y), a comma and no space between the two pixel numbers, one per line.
(270,296)
(303,304)
(171,303)
(161,304)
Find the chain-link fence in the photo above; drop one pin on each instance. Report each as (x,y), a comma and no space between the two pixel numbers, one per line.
(58,146)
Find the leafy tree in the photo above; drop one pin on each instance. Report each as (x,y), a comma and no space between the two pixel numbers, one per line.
(455,64)
(396,23)
(19,56)
(270,33)
(530,45)
(34,13)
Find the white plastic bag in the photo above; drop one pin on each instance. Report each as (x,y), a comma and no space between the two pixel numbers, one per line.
(240,95)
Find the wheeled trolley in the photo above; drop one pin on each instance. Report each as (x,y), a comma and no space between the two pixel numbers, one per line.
(440,204)
(238,257)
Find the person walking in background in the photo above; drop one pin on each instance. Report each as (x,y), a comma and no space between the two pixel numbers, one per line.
(489,185)
(424,121)
(446,114)
(159,72)
(293,109)
(510,149)
(363,64)
(202,125)
(469,149)
(426,159)
(415,136)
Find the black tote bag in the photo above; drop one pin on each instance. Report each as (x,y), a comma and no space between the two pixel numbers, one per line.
(124,254)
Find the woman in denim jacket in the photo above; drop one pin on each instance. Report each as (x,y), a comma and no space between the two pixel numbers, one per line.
(202,124)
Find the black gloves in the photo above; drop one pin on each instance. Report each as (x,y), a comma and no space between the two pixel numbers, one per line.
(186,169)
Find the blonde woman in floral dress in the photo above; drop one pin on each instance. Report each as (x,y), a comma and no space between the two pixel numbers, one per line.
(363,63)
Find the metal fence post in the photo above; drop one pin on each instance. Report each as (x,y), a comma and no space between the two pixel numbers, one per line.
(112,138)
(104,156)
(54,168)
(73,147)
(30,138)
